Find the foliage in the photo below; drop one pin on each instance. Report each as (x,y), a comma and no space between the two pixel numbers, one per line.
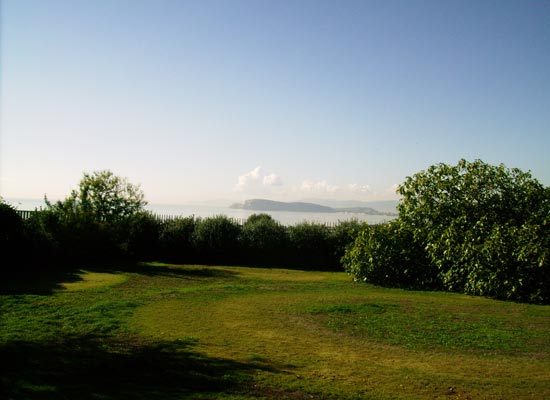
(176,239)
(343,235)
(11,234)
(386,254)
(103,196)
(484,227)
(91,225)
(217,239)
(264,240)
(311,246)
(485,230)
(143,236)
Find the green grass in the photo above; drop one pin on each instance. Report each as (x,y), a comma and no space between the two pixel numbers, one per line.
(160,331)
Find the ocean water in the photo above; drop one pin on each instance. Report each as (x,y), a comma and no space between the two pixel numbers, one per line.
(284,217)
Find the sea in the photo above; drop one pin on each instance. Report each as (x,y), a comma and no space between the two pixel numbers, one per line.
(204,211)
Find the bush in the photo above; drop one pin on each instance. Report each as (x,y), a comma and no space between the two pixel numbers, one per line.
(176,240)
(386,254)
(502,261)
(484,229)
(264,241)
(11,237)
(92,225)
(143,236)
(216,240)
(343,235)
(311,247)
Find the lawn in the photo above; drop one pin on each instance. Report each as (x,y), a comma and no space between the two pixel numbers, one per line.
(160,331)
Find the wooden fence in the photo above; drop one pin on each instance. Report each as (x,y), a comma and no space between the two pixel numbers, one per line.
(24,214)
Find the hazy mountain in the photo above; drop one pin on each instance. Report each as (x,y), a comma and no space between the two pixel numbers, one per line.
(384,206)
(270,205)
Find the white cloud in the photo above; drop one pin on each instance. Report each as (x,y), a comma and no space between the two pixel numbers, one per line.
(318,187)
(357,188)
(272,180)
(257,178)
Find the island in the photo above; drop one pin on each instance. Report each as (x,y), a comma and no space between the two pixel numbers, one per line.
(271,205)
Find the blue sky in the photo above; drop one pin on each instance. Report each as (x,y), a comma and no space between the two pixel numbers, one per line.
(202,100)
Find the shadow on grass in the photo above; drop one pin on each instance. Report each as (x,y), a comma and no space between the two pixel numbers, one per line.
(170,270)
(45,282)
(97,368)
(37,282)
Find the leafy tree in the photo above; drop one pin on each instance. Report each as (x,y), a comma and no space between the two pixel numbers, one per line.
(484,227)
(94,223)
(103,196)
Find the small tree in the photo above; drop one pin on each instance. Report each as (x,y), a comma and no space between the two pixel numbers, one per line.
(94,222)
(103,196)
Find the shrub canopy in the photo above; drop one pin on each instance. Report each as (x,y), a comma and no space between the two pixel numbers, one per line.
(484,228)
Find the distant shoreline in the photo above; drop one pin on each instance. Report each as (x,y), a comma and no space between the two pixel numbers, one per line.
(270,205)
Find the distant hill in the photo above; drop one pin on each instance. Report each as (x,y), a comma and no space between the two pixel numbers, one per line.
(270,205)
(384,206)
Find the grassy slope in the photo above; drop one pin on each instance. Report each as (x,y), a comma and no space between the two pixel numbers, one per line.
(228,332)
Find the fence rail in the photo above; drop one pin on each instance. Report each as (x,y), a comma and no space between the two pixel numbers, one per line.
(25,214)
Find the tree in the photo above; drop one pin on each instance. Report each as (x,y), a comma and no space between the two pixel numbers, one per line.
(103,196)
(94,223)
(484,227)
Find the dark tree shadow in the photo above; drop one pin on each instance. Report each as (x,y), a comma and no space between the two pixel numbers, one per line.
(170,270)
(45,282)
(100,368)
(37,282)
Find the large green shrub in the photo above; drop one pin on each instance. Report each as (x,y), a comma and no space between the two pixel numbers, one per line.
(142,236)
(484,227)
(472,228)
(264,240)
(311,247)
(92,225)
(386,254)
(343,235)
(176,240)
(216,239)
(11,238)
(41,233)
